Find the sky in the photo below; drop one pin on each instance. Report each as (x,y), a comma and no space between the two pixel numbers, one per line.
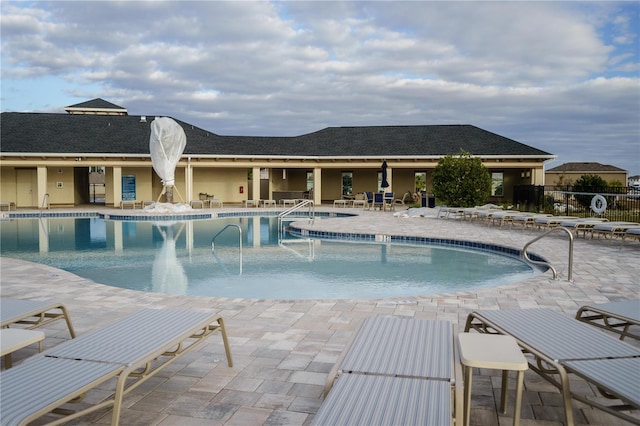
(563,77)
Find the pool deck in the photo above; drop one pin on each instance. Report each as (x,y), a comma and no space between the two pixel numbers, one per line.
(283,350)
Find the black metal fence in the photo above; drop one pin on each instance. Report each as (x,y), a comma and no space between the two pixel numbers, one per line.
(620,203)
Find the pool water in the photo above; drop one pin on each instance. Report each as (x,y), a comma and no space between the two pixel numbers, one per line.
(177,258)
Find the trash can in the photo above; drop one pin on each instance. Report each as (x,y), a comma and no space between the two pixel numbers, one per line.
(424,201)
(432,202)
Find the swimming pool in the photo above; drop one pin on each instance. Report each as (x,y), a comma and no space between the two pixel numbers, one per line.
(176,257)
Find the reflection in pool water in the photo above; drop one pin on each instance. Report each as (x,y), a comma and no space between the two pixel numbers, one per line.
(177,258)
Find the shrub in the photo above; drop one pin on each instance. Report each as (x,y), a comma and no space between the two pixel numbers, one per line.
(591,184)
(461,180)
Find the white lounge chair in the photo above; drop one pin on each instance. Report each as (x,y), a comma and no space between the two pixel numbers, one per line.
(551,221)
(613,229)
(527,219)
(388,360)
(131,350)
(583,225)
(631,233)
(618,317)
(32,313)
(559,345)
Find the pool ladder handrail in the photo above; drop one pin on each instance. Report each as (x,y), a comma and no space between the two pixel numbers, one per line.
(213,240)
(297,207)
(290,210)
(524,254)
(312,252)
(45,203)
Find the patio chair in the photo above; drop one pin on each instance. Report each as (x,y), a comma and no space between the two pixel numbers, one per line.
(406,200)
(558,345)
(129,350)
(361,200)
(415,372)
(388,201)
(617,317)
(378,201)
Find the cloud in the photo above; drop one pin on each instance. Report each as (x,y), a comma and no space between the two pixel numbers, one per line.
(560,76)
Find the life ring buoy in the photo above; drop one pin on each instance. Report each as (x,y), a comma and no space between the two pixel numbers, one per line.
(598,204)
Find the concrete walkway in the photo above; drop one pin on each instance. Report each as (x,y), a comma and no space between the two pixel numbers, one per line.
(283,350)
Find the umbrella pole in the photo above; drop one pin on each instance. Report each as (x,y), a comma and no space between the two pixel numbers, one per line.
(161,194)
(175,188)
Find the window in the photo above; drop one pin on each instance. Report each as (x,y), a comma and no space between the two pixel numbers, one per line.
(347,183)
(497,184)
(309,181)
(421,182)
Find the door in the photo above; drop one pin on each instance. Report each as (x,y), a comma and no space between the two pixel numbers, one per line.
(27,188)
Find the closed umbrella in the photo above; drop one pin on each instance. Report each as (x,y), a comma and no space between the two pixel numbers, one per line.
(166,145)
(385,183)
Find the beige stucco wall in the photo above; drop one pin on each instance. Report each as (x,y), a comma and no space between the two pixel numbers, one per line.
(60,186)
(568,178)
(8,184)
(223,183)
(223,177)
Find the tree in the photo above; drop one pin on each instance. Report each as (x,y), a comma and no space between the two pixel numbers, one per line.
(461,180)
(591,184)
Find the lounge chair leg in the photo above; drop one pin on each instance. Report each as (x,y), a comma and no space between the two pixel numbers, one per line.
(225,340)
(72,332)
(566,396)
(117,399)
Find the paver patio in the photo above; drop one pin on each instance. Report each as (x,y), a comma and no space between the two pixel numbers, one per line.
(284,349)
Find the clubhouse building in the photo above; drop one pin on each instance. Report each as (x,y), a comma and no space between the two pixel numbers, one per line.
(48,158)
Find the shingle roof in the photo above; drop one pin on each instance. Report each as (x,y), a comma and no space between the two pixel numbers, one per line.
(97,103)
(586,167)
(103,134)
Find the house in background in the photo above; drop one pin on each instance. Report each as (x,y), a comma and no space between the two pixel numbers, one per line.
(569,173)
(54,158)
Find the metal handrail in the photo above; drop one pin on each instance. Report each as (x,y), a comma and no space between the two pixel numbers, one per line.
(289,211)
(298,206)
(524,254)
(309,241)
(45,202)
(213,240)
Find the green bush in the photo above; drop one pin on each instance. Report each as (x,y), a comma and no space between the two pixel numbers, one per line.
(592,184)
(461,181)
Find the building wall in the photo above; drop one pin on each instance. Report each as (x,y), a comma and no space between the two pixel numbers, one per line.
(223,183)
(8,184)
(67,186)
(568,178)
(223,178)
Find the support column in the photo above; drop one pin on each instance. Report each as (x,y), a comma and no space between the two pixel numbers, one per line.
(256,183)
(117,186)
(43,235)
(42,186)
(255,227)
(317,186)
(189,182)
